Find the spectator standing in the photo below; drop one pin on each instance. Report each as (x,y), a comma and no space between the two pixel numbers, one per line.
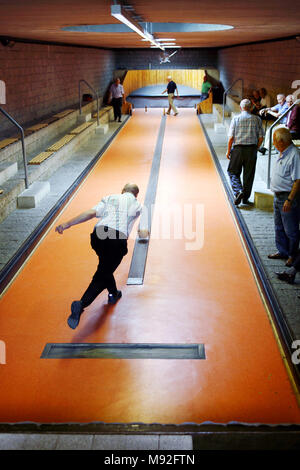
(245,135)
(285,183)
(116,97)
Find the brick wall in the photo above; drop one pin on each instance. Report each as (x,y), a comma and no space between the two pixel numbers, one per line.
(273,65)
(41,79)
(141,59)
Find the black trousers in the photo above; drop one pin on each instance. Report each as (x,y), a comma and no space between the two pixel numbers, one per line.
(110,252)
(117,105)
(242,157)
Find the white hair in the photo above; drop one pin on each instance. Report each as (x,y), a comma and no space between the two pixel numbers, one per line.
(281,95)
(245,104)
(290,97)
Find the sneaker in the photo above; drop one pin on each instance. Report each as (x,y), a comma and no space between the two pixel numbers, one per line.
(238,198)
(113,298)
(74,318)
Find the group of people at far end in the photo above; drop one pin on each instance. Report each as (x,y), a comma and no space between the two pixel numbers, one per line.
(245,138)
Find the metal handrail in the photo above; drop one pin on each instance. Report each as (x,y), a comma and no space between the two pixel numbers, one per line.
(226,91)
(80,100)
(271,142)
(23,143)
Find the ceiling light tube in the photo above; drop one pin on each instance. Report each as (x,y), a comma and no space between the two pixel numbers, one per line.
(123,17)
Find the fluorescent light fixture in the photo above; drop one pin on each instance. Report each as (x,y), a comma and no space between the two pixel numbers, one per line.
(168,44)
(165,39)
(118,13)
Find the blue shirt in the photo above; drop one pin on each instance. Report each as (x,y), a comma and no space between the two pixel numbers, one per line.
(171,87)
(281,109)
(246,129)
(286,170)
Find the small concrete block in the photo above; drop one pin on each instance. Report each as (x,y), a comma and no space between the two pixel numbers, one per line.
(175,442)
(125,442)
(7,170)
(33,195)
(102,129)
(219,128)
(263,201)
(12,441)
(40,441)
(74,442)
(84,118)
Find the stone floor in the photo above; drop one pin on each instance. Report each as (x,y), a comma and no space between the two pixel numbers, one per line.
(94,442)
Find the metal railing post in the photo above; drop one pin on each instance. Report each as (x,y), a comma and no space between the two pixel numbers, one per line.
(271,140)
(23,143)
(226,92)
(94,91)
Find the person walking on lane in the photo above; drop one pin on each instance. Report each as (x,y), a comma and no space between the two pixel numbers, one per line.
(171,87)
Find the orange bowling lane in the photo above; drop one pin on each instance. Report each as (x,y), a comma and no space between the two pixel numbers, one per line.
(198,288)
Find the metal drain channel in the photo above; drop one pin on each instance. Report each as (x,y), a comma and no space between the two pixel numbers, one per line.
(122,351)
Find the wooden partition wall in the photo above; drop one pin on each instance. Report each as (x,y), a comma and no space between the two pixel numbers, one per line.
(136,79)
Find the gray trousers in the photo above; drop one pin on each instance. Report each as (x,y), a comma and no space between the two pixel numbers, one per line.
(242,158)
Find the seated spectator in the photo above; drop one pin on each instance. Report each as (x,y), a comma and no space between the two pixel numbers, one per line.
(278,109)
(275,111)
(255,100)
(293,118)
(206,86)
(265,99)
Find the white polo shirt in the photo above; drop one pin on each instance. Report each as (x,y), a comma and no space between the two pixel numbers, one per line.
(118,212)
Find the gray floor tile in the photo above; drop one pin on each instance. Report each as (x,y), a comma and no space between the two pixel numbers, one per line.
(12,441)
(175,442)
(74,442)
(40,441)
(125,442)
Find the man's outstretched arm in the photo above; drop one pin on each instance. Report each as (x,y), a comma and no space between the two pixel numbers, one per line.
(83,217)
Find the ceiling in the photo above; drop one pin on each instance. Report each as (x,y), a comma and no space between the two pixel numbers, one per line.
(254,20)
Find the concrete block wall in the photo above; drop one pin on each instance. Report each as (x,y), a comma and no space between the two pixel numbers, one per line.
(42,79)
(273,65)
(142,59)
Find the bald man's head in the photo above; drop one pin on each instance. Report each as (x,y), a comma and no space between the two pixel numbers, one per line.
(131,188)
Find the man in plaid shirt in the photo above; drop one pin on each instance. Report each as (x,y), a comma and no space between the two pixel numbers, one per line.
(245,137)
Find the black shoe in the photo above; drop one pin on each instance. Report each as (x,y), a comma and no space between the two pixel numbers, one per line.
(113,298)
(119,120)
(284,276)
(262,150)
(246,201)
(238,198)
(74,318)
(277,256)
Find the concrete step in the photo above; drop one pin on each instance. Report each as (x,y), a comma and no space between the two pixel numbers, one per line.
(7,171)
(33,195)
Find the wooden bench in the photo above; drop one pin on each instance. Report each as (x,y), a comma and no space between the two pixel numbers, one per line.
(127,108)
(206,106)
